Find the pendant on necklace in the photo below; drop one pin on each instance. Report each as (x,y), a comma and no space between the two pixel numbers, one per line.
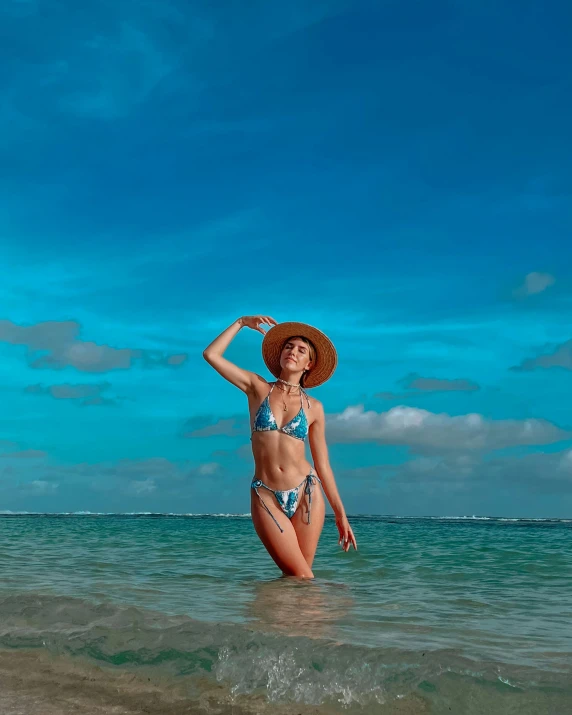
(285,408)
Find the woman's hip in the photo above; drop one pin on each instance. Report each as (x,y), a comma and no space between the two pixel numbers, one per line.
(287,500)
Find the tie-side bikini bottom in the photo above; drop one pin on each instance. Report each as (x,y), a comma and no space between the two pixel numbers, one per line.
(289,499)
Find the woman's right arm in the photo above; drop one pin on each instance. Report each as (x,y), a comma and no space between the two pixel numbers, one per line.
(213,353)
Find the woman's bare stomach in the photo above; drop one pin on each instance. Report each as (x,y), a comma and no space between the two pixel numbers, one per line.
(279,463)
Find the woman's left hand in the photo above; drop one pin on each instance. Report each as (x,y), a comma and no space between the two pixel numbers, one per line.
(346,534)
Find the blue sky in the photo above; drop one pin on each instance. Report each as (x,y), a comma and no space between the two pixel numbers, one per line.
(397,174)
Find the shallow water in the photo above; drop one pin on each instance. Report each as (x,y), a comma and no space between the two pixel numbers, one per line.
(432,614)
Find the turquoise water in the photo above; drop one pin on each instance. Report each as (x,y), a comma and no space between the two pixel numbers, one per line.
(469,614)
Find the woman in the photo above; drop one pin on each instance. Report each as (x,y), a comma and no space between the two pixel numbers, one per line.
(287,507)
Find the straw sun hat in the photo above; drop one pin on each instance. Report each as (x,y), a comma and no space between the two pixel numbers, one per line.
(326,357)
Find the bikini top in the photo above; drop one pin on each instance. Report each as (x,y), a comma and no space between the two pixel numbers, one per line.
(264,420)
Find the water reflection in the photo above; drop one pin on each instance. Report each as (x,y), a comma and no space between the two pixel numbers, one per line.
(299,607)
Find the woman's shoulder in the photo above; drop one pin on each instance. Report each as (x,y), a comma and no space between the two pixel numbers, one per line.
(316,402)
(260,385)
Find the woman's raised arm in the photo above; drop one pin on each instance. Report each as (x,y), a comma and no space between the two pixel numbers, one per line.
(213,353)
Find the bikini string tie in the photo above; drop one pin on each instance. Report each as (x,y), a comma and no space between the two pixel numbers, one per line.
(255,487)
(308,489)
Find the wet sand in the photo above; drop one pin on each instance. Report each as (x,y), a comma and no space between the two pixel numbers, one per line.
(34,682)
(37,683)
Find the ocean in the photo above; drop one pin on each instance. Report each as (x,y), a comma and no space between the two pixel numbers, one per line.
(165,613)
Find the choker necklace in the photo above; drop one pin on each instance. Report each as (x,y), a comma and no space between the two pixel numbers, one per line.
(292,384)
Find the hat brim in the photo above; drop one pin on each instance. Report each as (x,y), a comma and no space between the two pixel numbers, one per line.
(326,356)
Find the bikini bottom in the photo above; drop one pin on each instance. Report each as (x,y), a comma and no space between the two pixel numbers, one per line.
(289,499)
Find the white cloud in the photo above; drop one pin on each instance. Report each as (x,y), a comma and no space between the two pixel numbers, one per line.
(534,282)
(538,472)
(129,476)
(425,431)
(142,487)
(41,487)
(208,468)
(459,483)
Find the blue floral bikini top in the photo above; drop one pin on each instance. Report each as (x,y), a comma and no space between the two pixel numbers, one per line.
(264,420)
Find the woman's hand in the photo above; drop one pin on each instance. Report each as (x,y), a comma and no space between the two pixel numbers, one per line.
(255,321)
(347,537)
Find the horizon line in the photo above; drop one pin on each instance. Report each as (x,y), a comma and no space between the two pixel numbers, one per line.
(476,517)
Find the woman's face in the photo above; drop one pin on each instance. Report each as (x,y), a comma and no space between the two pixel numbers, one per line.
(295,355)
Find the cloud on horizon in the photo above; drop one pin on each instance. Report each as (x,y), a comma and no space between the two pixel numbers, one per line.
(544,472)
(128,477)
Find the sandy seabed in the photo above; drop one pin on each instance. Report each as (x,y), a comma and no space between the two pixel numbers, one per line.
(34,682)
(38,683)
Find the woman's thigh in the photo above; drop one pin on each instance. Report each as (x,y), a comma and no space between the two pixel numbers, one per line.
(283,545)
(308,535)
